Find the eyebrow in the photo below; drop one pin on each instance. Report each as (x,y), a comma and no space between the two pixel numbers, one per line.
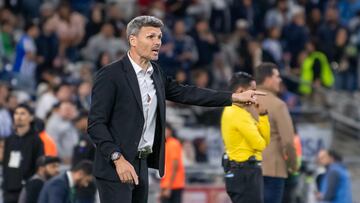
(152,33)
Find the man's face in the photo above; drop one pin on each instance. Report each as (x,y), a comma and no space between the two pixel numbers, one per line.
(52,170)
(22,117)
(274,81)
(84,180)
(147,43)
(323,158)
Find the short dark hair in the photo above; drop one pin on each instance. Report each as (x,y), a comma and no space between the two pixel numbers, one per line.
(29,25)
(85,166)
(45,160)
(263,71)
(240,79)
(336,156)
(27,107)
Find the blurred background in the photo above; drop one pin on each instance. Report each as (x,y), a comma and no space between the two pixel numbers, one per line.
(204,42)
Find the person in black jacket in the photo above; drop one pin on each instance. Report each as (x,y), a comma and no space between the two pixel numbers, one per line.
(22,149)
(127,114)
(47,167)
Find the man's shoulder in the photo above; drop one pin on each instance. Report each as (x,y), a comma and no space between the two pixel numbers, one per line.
(111,69)
(57,181)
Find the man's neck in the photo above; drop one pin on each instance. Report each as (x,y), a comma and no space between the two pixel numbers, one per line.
(267,88)
(21,131)
(142,62)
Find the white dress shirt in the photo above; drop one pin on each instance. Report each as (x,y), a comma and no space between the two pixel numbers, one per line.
(149,103)
(70,178)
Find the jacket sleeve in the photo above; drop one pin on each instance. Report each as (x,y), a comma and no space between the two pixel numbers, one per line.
(286,133)
(264,128)
(57,193)
(250,132)
(102,101)
(192,95)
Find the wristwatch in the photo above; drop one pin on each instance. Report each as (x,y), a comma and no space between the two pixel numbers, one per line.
(115,156)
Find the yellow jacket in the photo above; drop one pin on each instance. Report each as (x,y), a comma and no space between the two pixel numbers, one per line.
(243,136)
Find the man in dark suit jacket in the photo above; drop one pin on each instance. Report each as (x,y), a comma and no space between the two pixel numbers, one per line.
(61,188)
(127,114)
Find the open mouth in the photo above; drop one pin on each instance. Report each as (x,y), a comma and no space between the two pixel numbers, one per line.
(155,51)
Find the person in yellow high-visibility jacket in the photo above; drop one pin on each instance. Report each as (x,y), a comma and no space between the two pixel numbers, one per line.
(307,76)
(244,138)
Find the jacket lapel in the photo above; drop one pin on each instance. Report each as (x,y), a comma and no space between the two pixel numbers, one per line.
(159,91)
(132,80)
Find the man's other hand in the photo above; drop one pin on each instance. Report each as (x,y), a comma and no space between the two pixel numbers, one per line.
(126,171)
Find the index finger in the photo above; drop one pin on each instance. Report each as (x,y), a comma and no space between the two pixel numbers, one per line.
(134,176)
(259,93)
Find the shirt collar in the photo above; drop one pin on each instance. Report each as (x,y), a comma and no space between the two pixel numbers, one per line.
(71,181)
(137,68)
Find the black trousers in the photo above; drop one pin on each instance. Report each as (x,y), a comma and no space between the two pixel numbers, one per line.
(11,197)
(112,192)
(245,184)
(175,197)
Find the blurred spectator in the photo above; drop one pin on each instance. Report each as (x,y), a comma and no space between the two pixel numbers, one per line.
(220,19)
(47,10)
(50,148)
(70,29)
(279,156)
(7,41)
(180,76)
(206,44)
(200,150)
(335,185)
(236,49)
(61,188)
(116,18)
(46,168)
(314,20)
(198,9)
(26,59)
(104,41)
(201,78)
(104,59)
(173,182)
(83,96)
(47,100)
(332,36)
(82,6)
(48,45)
(63,131)
(22,149)
(188,153)
(272,46)
(5,116)
(295,36)
(291,99)
(221,72)
(185,51)
(94,22)
(315,70)
(250,11)
(84,150)
(348,9)
(278,16)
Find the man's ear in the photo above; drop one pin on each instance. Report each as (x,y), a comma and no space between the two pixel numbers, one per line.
(132,40)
